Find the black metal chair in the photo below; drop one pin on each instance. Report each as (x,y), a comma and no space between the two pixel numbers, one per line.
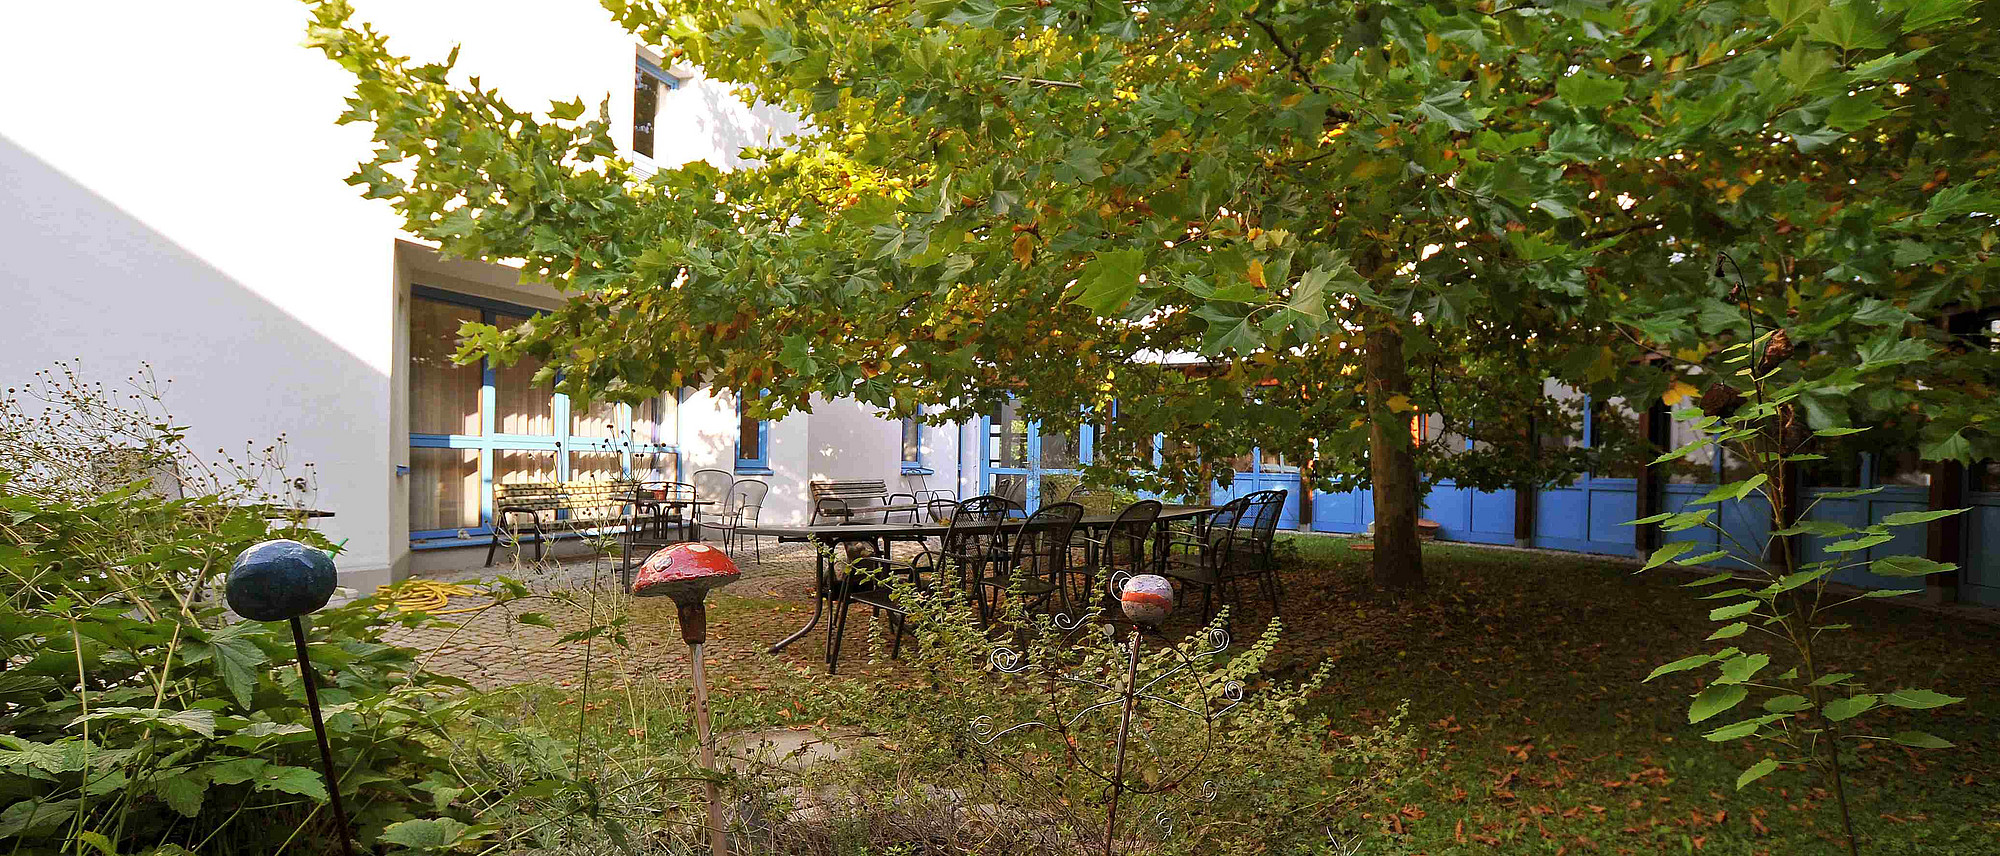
(1036,558)
(1219,554)
(739,511)
(1123,548)
(1262,545)
(972,542)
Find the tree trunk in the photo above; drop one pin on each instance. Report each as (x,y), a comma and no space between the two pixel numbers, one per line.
(1392,462)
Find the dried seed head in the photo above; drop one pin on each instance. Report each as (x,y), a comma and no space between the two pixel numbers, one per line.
(1721,400)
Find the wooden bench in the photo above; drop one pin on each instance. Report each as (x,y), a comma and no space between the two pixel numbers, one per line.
(858,501)
(575,505)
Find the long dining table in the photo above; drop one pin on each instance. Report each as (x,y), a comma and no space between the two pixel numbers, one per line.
(884,534)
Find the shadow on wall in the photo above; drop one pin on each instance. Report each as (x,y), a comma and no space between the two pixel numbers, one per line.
(730,125)
(85,279)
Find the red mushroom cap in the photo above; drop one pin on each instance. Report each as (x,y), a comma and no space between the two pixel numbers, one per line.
(684,572)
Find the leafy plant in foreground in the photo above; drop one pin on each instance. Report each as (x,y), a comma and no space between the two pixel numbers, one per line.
(1805,707)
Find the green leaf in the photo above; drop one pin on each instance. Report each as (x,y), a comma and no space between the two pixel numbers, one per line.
(1921,740)
(1666,553)
(1710,580)
(1891,592)
(1883,67)
(1958,200)
(1920,699)
(182,791)
(1831,678)
(536,619)
(1920,14)
(265,776)
(1792,581)
(1851,113)
(201,722)
(1735,490)
(1589,90)
(1309,298)
(1715,700)
(1449,105)
(1843,709)
(1756,771)
(1685,663)
(1789,12)
(29,814)
(62,756)
(1911,518)
(1861,543)
(1730,631)
(1741,729)
(1952,448)
(1804,66)
(1686,520)
(1109,282)
(1743,668)
(1908,566)
(1787,703)
(426,834)
(1851,25)
(237,659)
(1734,610)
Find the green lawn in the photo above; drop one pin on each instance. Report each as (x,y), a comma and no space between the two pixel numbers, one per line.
(1525,669)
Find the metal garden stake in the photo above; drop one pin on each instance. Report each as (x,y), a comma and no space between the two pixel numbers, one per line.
(685,572)
(1145,600)
(284,580)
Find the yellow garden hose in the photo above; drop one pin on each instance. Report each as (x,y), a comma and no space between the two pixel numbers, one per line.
(429,596)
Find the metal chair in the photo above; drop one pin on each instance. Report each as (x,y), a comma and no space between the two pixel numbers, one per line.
(1036,558)
(1217,555)
(968,547)
(712,485)
(1123,547)
(745,502)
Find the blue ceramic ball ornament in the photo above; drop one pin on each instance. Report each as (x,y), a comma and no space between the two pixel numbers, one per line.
(280,579)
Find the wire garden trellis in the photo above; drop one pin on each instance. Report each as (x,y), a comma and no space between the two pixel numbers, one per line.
(1166,702)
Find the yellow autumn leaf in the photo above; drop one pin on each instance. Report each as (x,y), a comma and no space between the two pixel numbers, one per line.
(1358,422)
(1024,249)
(1400,404)
(1292,100)
(1679,392)
(1256,272)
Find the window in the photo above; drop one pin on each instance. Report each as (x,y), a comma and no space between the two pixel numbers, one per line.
(913,444)
(479,424)
(753,441)
(649,87)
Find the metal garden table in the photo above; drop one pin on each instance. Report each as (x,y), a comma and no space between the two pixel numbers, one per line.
(825,581)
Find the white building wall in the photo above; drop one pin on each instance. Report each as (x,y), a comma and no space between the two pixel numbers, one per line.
(172,190)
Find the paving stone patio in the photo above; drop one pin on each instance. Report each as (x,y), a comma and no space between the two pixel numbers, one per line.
(494,648)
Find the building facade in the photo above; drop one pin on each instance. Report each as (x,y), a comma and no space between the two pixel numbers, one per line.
(172,191)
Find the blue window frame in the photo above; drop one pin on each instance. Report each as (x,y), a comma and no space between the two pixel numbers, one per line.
(477,425)
(753,442)
(913,446)
(650,84)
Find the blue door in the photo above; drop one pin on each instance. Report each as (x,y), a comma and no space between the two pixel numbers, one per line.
(1980,581)
(1261,470)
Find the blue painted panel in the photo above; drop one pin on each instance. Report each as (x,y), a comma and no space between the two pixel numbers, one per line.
(1587,517)
(1980,581)
(1249,483)
(1349,512)
(1464,514)
(1492,517)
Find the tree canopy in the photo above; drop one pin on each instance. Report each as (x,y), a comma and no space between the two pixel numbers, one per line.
(1352,212)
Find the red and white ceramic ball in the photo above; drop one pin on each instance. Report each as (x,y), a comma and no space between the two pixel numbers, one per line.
(1147,598)
(684,572)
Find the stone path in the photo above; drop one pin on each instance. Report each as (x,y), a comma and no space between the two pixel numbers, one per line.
(495,648)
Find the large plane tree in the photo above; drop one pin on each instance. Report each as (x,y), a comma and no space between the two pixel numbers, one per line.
(1351,212)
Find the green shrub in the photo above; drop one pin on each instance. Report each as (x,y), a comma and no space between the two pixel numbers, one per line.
(134,714)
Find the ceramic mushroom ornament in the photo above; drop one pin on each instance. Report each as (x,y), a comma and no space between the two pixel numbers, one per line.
(685,572)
